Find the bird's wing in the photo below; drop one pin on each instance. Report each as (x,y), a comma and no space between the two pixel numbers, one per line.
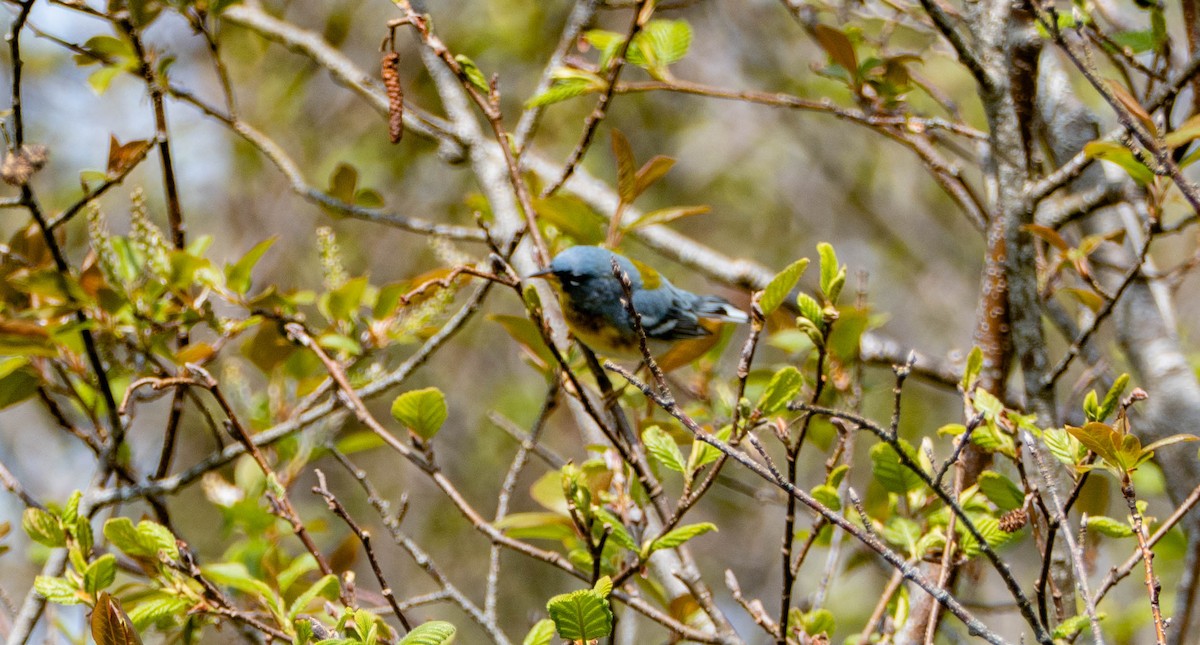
(668,313)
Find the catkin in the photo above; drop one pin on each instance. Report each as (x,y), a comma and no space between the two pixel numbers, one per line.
(391,80)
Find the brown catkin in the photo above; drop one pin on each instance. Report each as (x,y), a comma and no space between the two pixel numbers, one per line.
(391,80)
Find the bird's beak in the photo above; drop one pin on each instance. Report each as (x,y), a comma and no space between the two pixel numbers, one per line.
(541,274)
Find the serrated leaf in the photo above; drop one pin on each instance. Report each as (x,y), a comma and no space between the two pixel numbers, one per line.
(890,473)
(581,615)
(149,611)
(665,42)
(663,448)
(679,535)
(619,534)
(782,388)
(157,538)
(781,285)
(100,574)
(434,632)
(603,586)
(121,533)
(1001,491)
(1062,446)
(1109,527)
(57,590)
(903,533)
(422,411)
(43,527)
(542,633)
(560,91)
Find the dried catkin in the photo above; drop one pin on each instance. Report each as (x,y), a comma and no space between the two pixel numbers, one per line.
(391,80)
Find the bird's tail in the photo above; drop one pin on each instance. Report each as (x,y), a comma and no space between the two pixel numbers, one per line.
(720,309)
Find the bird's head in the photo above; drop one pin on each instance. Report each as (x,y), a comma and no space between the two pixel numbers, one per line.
(580,269)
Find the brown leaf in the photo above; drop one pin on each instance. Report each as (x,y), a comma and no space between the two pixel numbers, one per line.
(1048,234)
(651,172)
(122,157)
(626,167)
(839,48)
(1131,104)
(110,624)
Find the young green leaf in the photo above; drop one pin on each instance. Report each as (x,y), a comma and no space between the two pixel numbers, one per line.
(783,387)
(1001,491)
(327,586)
(150,610)
(662,447)
(679,535)
(100,574)
(1109,527)
(59,591)
(434,632)
(473,73)
(888,471)
(780,286)
(422,411)
(43,527)
(581,615)
(237,275)
(1113,398)
(973,368)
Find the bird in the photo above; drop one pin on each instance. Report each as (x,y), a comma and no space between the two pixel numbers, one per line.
(592,301)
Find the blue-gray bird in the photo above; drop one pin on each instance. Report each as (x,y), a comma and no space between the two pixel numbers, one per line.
(591,300)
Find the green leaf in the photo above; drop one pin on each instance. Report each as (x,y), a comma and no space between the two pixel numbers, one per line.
(343,183)
(704,453)
(662,42)
(150,611)
(43,527)
(1120,155)
(100,574)
(473,74)
(157,538)
(1101,439)
(818,621)
(567,88)
(1063,446)
(973,368)
(904,533)
(237,275)
(890,473)
(619,534)
(1109,527)
(121,533)
(573,217)
(340,304)
(57,590)
(662,447)
(422,411)
(537,525)
(1113,398)
(1169,441)
(679,535)
(603,586)
(542,633)
(434,632)
(1001,491)
(581,615)
(1073,625)
(327,586)
(781,285)
(810,309)
(783,387)
(827,495)
(236,576)
(830,272)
